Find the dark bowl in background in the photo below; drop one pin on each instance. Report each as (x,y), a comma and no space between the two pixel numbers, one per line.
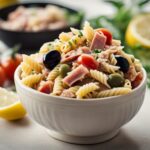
(30,42)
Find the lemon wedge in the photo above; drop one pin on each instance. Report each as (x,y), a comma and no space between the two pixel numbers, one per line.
(10,107)
(138,31)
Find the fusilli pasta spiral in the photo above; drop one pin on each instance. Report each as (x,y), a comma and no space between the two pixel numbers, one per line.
(112,59)
(88,32)
(128,84)
(31,80)
(58,86)
(53,74)
(109,68)
(46,47)
(73,43)
(114,92)
(32,63)
(65,36)
(26,69)
(86,89)
(99,76)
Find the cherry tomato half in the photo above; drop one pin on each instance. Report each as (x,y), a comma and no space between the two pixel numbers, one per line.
(108,35)
(9,65)
(45,87)
(88,61)
(2,77)
(137,80)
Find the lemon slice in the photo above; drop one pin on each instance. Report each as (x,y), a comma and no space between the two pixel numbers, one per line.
(10,107)
(138,31)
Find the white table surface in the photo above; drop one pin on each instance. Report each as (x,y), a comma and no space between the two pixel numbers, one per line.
(28,135)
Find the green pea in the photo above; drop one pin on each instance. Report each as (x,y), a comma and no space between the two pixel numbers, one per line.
(115,80)
(64,69)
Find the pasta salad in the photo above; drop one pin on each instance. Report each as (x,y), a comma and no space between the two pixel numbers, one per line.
(82,64)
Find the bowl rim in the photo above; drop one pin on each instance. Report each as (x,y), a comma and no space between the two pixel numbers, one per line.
(52,98)
(38,3)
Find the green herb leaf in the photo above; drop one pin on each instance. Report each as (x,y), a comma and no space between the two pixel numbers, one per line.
(74,18)
(143,2)
(115,3)
(97,51)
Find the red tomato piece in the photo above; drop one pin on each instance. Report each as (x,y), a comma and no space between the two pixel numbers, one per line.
(10,64)
(2,77)
(137,80)
(108,35)
(45,87)
(88,61)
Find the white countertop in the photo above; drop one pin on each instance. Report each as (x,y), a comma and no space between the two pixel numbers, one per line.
(28,135)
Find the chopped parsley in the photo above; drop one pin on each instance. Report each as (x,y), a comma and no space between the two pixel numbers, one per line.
(75,41)
(97,51)
(80,33)
(70,44)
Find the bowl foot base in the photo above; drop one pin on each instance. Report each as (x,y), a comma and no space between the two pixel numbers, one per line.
(83,140)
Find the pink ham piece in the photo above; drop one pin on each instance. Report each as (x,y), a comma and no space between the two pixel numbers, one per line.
(85,50)
(74,54)
(76,75)
(68,93)
(98,42)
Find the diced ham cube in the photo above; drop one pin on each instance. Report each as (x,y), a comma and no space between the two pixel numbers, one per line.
(68,93)
(85,50)
(76,75)
(45,87)
(74,54)
(98,42)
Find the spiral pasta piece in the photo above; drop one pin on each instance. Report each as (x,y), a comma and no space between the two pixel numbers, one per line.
(65,36)
(58,86)
(46,47)
(88,32)
(32,63)
(73,43)
(31,80)
(114,92)
(127,84)
(138,65)
(86,89)
(76,32)
(26,69)
(53,74)
(74,89)
(113,60)
(93,94)
(109,68)
(99,76)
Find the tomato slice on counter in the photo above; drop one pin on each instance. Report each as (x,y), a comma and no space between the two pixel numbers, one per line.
(88,61)
(10,64)
(108,35)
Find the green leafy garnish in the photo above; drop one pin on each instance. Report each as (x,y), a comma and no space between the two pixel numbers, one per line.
(74,18)
(80,33)
(97,51)
(70,44)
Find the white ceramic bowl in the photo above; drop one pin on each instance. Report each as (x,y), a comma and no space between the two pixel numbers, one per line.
(83,122)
